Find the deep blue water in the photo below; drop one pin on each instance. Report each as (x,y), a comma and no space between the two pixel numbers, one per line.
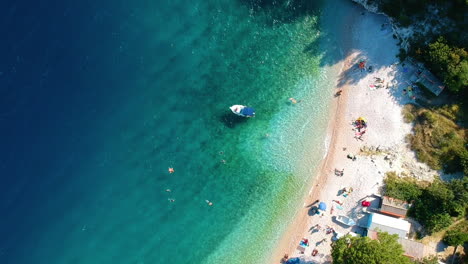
(98,99)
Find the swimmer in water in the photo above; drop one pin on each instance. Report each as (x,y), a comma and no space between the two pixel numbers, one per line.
(168,190)
(171,170)
(209,203)
(171,200)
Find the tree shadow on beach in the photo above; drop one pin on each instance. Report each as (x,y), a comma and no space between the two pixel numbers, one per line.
(312,211)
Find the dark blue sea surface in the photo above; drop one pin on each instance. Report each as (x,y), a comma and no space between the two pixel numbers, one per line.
(99,98)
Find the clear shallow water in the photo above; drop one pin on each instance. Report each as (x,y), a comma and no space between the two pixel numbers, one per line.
(99,99)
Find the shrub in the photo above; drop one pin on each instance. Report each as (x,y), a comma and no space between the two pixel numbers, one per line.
(437,140)
(401,188)
(408,115)
(448,62)
(438,222)
(456,237)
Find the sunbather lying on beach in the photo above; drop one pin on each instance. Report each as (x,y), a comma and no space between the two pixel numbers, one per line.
(339,172)
(379,80)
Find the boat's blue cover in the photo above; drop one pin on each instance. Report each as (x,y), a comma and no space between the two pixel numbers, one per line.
(293,261)
(248,111)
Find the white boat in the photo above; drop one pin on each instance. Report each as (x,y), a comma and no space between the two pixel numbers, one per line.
(345,220)
(242,110)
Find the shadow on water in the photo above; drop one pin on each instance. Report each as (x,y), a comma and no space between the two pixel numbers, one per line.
(231,120)
(283,11)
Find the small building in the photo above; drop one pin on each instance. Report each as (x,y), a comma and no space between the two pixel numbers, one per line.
(391,225)
(416,72)
(394,207)
(431,82)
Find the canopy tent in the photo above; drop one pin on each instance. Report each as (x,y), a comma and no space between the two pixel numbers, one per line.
(322,206)
(248,111)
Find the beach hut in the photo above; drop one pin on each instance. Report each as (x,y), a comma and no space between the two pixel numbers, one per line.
(416,72)
(394,207)
(391,225)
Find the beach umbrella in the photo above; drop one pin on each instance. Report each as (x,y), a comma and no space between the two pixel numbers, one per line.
(362,119)
(322,206)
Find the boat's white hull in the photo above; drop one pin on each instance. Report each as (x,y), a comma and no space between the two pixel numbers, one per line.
(236,109)
(242,110)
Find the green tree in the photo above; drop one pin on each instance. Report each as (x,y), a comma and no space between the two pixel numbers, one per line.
(438,222)
(455,238)
(363,250)
(401,188)
(448,62)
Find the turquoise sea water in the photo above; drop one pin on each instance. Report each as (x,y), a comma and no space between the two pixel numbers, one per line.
(101,98)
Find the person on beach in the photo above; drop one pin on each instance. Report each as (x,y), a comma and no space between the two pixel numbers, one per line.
(378,80)
(339,172)
(294,101)
(362,65)
(338,93)
(171,170)
(285,258)
(360,135)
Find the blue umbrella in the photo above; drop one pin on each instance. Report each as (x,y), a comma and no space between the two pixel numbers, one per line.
(322,206)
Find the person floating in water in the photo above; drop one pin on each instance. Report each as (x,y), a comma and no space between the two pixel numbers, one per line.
(362,65)
(209,203)
(171,170)
(292,100)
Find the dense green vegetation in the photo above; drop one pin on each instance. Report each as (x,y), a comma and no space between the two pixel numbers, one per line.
(436,204)
(457,236)
(363,250)
(447,61)
(443,53)
(437,139)
(405,189)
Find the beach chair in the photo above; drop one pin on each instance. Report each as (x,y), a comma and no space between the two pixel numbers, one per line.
(301,249)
